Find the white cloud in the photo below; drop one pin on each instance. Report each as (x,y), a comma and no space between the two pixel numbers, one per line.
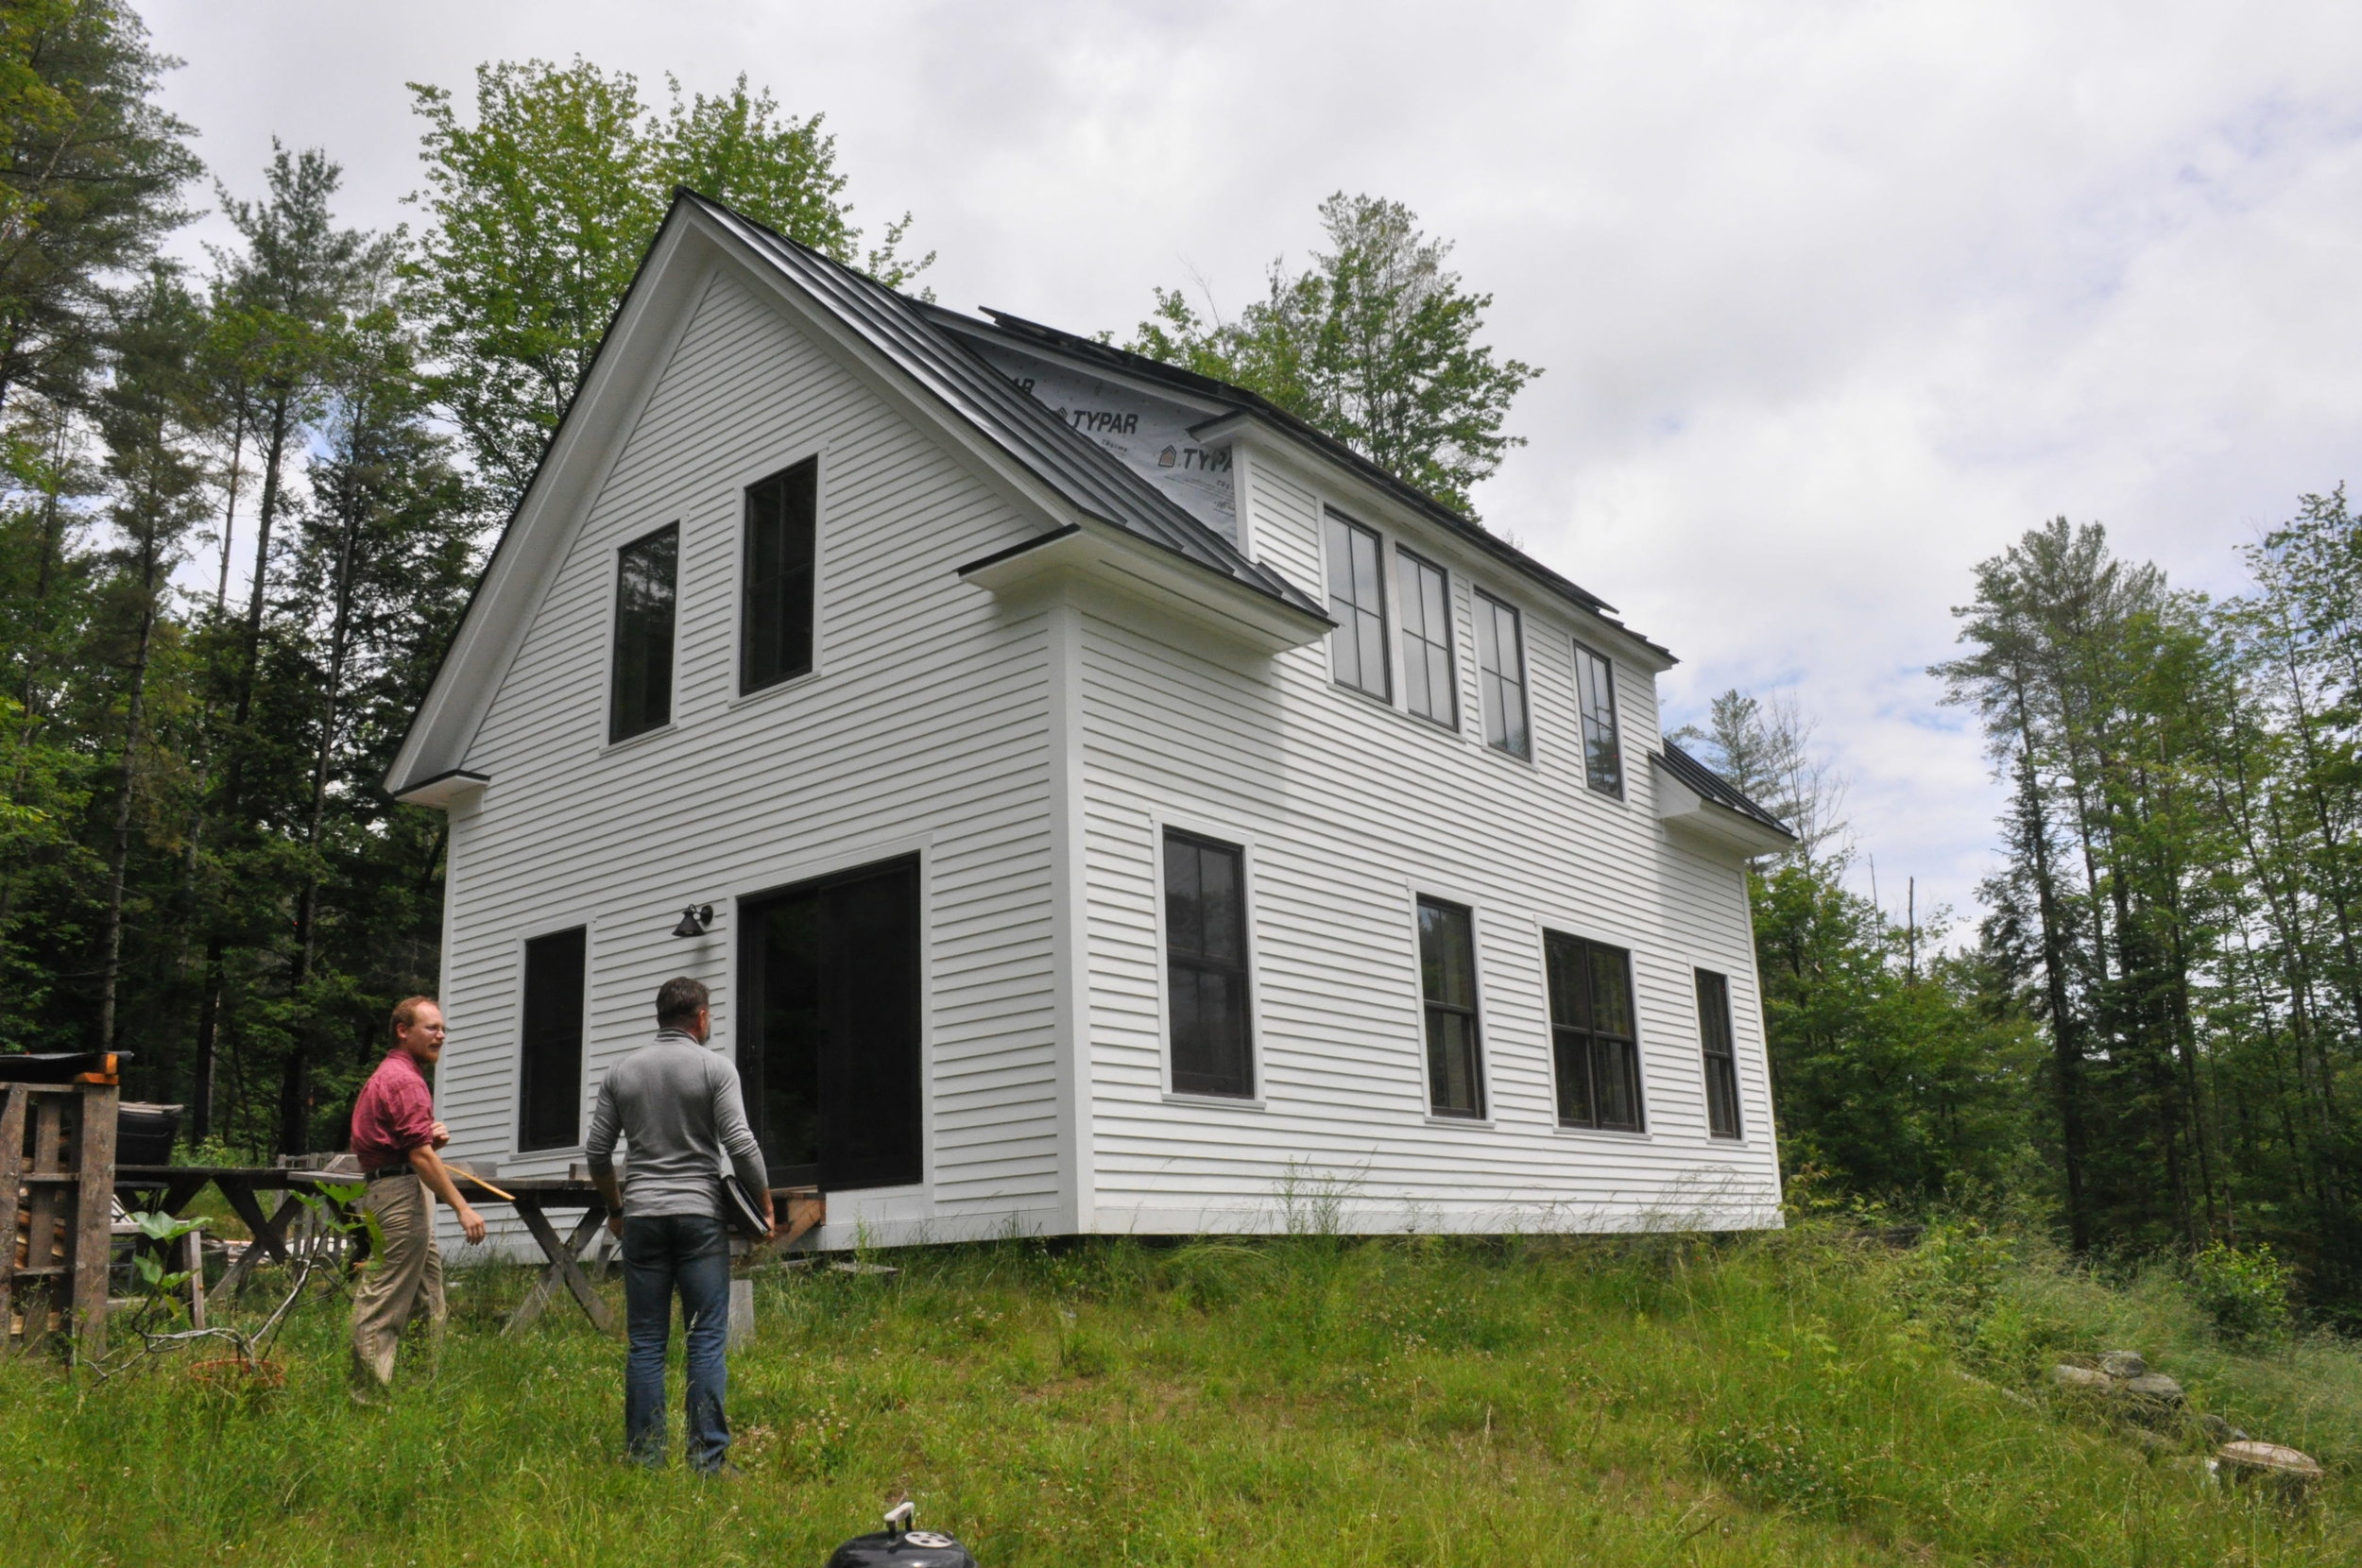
(1835,299)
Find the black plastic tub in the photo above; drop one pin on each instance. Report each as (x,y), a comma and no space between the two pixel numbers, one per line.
(144,1133)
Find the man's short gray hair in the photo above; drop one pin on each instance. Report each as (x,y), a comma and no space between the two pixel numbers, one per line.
(677,1000)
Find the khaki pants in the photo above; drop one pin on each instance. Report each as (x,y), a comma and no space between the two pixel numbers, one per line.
(403,1283)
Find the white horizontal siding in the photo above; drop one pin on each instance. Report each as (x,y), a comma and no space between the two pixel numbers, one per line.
(925,729)
(1350,810)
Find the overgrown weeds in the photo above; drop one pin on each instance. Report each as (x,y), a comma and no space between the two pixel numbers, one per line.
(1782,1399)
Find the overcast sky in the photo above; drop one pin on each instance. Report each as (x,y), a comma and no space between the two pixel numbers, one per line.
(1834,300)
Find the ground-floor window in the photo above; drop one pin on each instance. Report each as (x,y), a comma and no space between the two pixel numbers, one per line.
(549,1058)
(1593,1037)
(1206,977)
(1721,1056)
(1455,1074)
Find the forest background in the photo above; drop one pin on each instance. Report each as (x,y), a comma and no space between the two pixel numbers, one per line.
(2149,1039)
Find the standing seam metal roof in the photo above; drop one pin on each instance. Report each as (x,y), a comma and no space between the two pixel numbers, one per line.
(1078,468)
(1721,790)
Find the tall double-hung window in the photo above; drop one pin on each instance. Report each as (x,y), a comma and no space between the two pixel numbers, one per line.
(1428,687)
(775,591)
(640,688)
(1595,695)
(1593,1039)
(1356,602)
(1205,979)
(1722,1055)
(1501,676)
(1448,985)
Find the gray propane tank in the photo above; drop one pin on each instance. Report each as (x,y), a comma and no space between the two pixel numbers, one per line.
(900,1546)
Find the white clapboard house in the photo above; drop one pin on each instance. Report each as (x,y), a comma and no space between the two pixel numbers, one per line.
(1098,801)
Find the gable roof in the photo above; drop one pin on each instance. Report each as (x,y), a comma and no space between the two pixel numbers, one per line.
(929,352)
(1019,331)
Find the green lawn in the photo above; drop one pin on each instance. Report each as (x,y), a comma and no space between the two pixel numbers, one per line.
(1802,1398)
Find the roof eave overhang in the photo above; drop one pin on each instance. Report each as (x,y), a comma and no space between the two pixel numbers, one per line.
(1100,554)
(1708,822)
(446,790)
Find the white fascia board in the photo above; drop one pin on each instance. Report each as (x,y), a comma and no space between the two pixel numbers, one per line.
(531,547)
(590,441)
(1685,812)
(1353,493)
(1116,558)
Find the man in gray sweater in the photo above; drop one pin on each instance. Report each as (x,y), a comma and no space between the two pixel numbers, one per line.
(677,1105)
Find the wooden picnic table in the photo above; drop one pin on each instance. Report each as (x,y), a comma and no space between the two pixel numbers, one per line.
(172,1189)
(176,1186)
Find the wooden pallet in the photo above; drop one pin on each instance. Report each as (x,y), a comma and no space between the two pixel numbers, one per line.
(56,1204)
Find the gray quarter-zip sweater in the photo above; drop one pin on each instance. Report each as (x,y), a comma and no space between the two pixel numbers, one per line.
(677,1106)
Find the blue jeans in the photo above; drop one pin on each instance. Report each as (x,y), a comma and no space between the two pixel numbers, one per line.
(689,1253)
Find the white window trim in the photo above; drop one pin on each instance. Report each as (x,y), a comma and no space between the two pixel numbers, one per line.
(1738,1076)
(1458,725)
(1255,1098)
(589,928)
(1622,795)
(1389,607)
(606,635)
(1543,926)
(1533,758)
(819,456)
(1442,892)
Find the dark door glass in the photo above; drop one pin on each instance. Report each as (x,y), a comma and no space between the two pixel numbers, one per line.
(549,1089)
(831,1052)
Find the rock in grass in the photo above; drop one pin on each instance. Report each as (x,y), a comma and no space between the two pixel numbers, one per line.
(2082,1378)
(2286,1470)
(2220,1430)
(2157,1389)
(2126,1364)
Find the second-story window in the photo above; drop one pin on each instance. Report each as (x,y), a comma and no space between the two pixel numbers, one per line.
(639,692)
(1448,984)
(775,596)
(1594,694)
(1501,671)
(1356,602)
(1428,685)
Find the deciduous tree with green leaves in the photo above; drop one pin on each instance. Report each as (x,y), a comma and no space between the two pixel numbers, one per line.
(1375,342)
(542,207)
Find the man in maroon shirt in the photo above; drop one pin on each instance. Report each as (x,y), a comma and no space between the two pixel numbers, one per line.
(395,1137)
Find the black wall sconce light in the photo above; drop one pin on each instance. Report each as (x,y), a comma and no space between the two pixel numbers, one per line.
(695,920)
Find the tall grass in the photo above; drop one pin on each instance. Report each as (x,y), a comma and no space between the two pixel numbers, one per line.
(1804,1398)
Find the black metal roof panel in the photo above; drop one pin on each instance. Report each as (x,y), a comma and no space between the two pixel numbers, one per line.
(1713,787)
(901,329)
(1018,329)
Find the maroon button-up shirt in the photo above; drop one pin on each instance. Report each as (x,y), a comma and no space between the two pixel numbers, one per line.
(395,1113)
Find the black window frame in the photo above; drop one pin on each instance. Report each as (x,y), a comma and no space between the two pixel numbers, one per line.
(649,715)
(1488,611)
(1580,1038)
(1435,1013)
(1409,588)
(1197,963)
(544,1084)
(758,669)
(1360,628)
(1588,684)
(1717,1047)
